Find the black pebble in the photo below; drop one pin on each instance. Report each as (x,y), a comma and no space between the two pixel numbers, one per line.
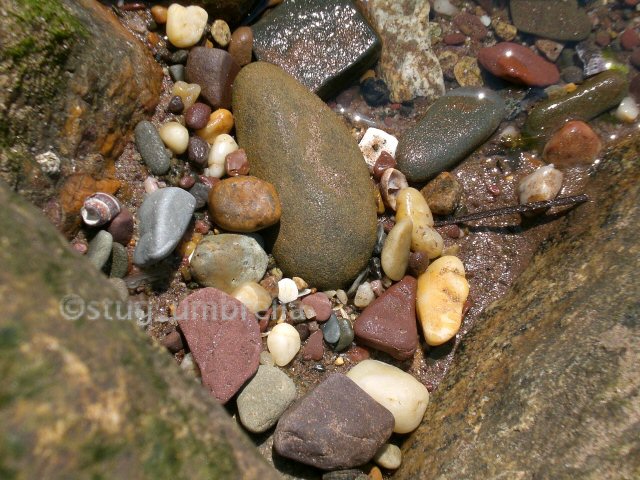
(175,105)
(375,92)
(180,56)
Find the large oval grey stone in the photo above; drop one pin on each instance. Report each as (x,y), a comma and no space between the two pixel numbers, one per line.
(294,141)
(452,128)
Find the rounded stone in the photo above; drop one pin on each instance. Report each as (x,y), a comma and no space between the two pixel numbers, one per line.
(198,151)
(283,343)
(294,141)
(119,261)
(389,456)
(100,249)
(121,227)
(395,253)
(241,46)
(518,64)
(227,261)
(574,144)
(244,204)
(151,148)
(265,399)
(320,304)
(197,116)
(443,194)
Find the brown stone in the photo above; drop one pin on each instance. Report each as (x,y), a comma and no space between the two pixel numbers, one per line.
(236,163)
(244,204)
(321,304)
(314,348)
(224,339)
(337,425)
(518,64)
(384,161)
(574,144)
(418,263)
(443,194)
(550,49)
(629,39)
(172,341)
(634,58)
(197,116)
(454,39)
(389,323)
(121,227)
(241,46)
(634,85)
(470,25)
(214,70)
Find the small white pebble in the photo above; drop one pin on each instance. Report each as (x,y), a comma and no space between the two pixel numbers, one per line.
(287,290)
(185,25)
(49,162)
(175,137)
(388,456)
(283,343)
(486,20)
(222,146)
(543,184)
(150,185)
(374,142)
(342,297)
(364,295)
(445,7)
(627,110)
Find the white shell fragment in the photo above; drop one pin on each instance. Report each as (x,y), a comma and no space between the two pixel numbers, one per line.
(283,343)
(223,145)
(627,110)
(185,25)
(287,290)
(374,142)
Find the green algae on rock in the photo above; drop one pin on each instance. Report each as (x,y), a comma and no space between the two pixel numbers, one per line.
(595,96)
(327,230)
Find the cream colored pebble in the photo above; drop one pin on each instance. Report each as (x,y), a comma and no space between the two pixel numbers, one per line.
(364,295)
(442,291)
(396,249)
(397,391)
(388,456)
(175,137)
(254,296)
(222,146)
(543,184)
(287,290)
(410,203)
(221,33)
(188,92)
(185,25)
(627,110)
(283,342)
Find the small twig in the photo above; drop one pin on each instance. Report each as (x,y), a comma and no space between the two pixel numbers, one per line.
(527,207)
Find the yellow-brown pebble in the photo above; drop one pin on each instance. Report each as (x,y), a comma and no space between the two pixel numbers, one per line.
(241,45)
(220,121)
(411,204)
(159,14)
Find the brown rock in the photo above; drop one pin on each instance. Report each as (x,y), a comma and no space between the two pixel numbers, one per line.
(454,39)
(172,341)
(384,161)
(337,425)
(198,151)
(574,144)
(443,194)
(121,227)
(357,354)
(224,339)
(629,39)
(550,49)
(236,163)
(241,46)
(418,263)
(244,204)
(389,323)
(321,304)
(470,25)
(603,38)
(634,58)
(314,348)
(518,64)
(197,116)
(214,70)
(634,85)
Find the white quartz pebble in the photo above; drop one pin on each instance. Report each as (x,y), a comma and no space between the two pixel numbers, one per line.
(543,184)
(222,146)
(445,7)
(287,290)
(627,110)
(175,136)
(388,456)
(397,391)
(283,342)
(374,142)
(254,296)
(185,25)
(364,295)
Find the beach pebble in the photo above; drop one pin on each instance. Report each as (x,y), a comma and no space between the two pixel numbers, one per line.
(424,238)
(159,14)
(287,290)
(198,152)
(518,64)
(185,25)
(374,142)
(163,218)
(175,137)
(121,227)
(320,304)
(335,426)
(397,246)
(629,39)
(221,32)
(384,162)
(188,93)
(236,163)
(151,148)
(241,46)
(470,25)
(445,7)
(220,122)
(266,359)
(389,323)
(119,261)
(244,204)
(265,398)
(389,456)
(543,184)
(254,296)
(574,144)
(560,21)
(283,343)
(442,291)
(227,261)
(222,146)
(214,70)
(397,391)
(504,30)
(627,110)
(314,348)
(364,295)
(443,194)
(176,72)
(100,248)
(197,115)
(549,48)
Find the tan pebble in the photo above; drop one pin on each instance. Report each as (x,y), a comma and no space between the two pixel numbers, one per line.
(364,295)
(504,30)
(442,291)
(389,456)
(253,296)
(339,362)
(175,137)
(300,283)
(342,296)
(411,204)
(159,14)
(220,122)
(221,32)
(467,72)
(396,249)
(241,45)
(188,93)
(543,184)
(380,208)
(391,182)
(185,25)
(375,474)
(222,146)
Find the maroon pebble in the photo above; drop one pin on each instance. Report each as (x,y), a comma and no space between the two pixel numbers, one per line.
(121,227)
(418,263)
(470,25)
(172,342)
(629,39)
(198,151)
(518,64)
(197,116)
(80,247)
(175,105)
(384,161)
(214,70)
(603,38)
(303,331)
(454,39)
(314,348)
(357,354)
(236,163)
(241,45)
(321,304)
(202,227)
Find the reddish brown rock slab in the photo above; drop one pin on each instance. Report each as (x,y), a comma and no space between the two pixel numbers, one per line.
(336,426)
(223,337)
(574,144)
(518,64)
(321,304)
(314,348)
(389,323)
(214,70)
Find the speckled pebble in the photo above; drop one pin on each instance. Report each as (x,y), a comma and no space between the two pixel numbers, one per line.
(151,148)
(100,249)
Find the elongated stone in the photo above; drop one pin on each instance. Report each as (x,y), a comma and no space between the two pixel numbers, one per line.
(554,19)
(295,142)
(452,128)
(595,96)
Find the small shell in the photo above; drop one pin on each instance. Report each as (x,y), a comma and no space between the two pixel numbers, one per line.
(391,183)
(99,209)
(287,290)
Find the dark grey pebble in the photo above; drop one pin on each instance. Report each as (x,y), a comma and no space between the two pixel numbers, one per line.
(346,335)
(180,56)
(177,73)
(151,148)
(331,330)
(175,105)
(119,261)
(198,151)
(200,192)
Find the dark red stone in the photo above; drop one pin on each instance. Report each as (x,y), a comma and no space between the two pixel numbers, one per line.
(197,116)
(418,263)
(223,337)
(357,354)
(384,161)
(175,105)
(470,25)
(454,39)
(314,348)
(303,331)
(121,227)
(629,39)
(574,144)
(389,323)
(214,70)
(518,64)
(236,163)
(321,304)
(172,342)
(187,182)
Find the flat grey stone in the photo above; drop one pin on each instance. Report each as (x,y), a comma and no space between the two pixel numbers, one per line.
(99,249)
(151,148)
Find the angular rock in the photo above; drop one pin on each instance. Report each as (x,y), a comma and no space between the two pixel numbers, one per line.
(443,194)
(227,261)
(151,148)
(321,304)
(214,70)
(518,64)
(337,425)
(265,399)
(244,204)
(163,218)
(389,323)
(294,141)
(314,348)
(452,128)
(561,20)
(574,144)
(407,63)
(595,96)
(323,44)
(224,339)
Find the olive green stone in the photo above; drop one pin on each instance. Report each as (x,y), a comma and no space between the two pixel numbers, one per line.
(595,96)
(294,141)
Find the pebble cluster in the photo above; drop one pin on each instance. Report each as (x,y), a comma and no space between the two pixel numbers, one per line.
(300,240)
